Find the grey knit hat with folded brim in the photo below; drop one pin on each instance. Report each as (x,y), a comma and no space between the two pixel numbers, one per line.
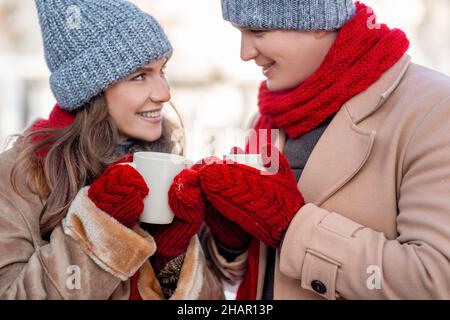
(91,44)
(306,15)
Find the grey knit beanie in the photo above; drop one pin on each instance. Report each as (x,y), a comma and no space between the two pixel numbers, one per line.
(90,44)
(307,15)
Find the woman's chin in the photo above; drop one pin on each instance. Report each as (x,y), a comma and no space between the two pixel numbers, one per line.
(148,136)
(152,138)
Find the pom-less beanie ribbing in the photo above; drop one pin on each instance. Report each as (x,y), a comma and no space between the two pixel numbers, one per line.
(90,44)
(307,15)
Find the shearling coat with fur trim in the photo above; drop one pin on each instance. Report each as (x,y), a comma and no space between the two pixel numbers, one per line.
(89,254)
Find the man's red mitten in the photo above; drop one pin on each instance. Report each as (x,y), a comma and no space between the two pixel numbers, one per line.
(263,205)
(226,232)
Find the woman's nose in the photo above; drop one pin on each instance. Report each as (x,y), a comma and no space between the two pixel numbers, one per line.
(160,91)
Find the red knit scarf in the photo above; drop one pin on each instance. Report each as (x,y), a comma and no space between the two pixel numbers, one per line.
(57,119)
(357,59)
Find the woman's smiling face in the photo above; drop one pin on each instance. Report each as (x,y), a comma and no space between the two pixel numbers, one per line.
(135,103)
(287,57)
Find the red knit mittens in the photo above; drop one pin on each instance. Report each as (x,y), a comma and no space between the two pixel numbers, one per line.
(120,191)
(187,203)
(263,205)
(227,233)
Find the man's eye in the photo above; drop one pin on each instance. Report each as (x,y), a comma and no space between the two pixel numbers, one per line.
(257,32)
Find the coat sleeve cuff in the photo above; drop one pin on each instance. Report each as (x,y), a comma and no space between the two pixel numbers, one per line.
(115,248)
(312,247)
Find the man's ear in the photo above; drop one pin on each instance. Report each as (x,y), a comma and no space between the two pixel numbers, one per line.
(325,36)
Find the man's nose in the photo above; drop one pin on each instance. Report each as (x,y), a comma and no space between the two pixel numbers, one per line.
(248,49)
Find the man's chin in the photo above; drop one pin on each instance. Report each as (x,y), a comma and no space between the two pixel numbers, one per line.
(270,85)
(274,86)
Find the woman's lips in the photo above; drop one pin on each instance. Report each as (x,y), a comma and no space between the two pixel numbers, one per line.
(152,117)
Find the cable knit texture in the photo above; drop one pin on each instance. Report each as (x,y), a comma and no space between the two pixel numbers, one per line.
(227,233)
(360,55)
(263,205)
(120,192)
(188,204)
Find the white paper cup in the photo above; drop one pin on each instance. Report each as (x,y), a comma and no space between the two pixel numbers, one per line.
(158,171)
(251,160)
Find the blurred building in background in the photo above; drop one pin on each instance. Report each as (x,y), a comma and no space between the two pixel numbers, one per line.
(212,88)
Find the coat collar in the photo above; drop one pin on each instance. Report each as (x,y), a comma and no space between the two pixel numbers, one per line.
(366,103)
(332,163)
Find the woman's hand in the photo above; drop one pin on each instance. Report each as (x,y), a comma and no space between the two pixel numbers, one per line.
(188,204)
(120,192)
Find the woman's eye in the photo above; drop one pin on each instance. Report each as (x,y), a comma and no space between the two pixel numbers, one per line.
(140,77)
(163,71)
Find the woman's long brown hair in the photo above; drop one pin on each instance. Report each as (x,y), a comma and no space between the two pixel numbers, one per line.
(77,155)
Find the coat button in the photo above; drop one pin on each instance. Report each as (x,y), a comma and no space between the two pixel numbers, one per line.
(318,286)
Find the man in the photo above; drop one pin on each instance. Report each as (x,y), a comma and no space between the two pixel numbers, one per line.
(365,132)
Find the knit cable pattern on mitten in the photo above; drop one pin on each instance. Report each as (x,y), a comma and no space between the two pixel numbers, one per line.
(263,205)
(228,233)
(188,204)
(120,192)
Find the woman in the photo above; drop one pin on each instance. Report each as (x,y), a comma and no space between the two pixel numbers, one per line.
(360,208)
(68,211)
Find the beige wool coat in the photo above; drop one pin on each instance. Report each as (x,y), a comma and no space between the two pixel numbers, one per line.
(376,224)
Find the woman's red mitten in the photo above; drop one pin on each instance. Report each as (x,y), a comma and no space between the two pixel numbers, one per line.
(120,192)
